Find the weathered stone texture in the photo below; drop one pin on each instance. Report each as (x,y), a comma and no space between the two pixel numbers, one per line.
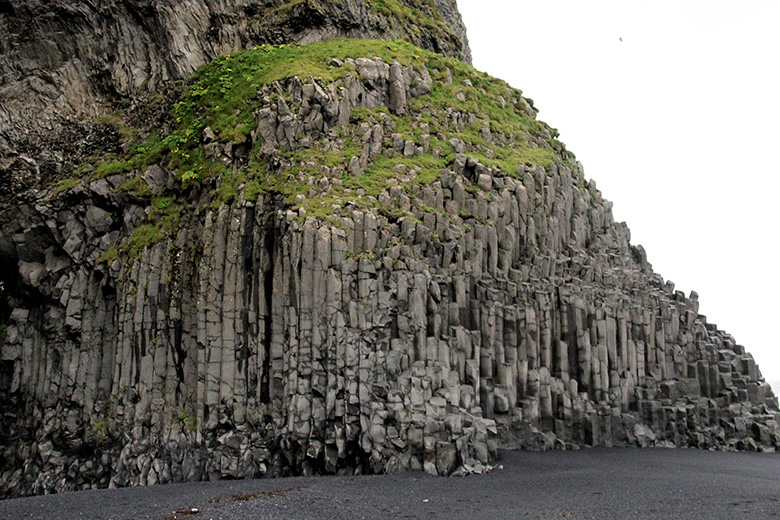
(59,59)
(258,341)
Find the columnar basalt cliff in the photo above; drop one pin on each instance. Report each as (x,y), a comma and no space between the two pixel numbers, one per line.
(65,63)
(346,256)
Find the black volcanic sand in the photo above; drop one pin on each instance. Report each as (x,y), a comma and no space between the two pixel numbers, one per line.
(590,483)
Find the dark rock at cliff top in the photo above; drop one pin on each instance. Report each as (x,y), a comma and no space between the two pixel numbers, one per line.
(64,64)
(347,256)
(62,59)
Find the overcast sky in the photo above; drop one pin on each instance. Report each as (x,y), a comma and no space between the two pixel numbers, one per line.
(673,107)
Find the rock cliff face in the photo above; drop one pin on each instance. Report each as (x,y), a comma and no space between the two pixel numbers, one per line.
(65,63)
(69,58)
(349,256)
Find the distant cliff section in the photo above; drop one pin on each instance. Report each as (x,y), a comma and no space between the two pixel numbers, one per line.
(64,63)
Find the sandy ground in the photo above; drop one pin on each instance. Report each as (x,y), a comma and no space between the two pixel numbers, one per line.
(591,483)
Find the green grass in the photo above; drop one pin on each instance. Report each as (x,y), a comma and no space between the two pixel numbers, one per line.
(223,95)
(187,420)
(142,237)
(136,185)
(101,430)
(484,99)
(109,256)
(66,185)
(164,220)
(142,155)
(424,17)
(223,89)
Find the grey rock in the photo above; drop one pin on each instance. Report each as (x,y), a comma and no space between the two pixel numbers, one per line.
(415,326)
(354,167)
(397,91)
(485,182)
(98,220)
(133,56)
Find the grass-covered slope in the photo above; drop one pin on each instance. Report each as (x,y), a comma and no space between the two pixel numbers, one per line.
(457,107)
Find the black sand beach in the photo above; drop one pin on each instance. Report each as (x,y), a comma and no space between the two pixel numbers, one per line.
(591,483)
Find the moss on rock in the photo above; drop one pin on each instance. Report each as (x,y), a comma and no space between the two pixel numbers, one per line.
(215,149)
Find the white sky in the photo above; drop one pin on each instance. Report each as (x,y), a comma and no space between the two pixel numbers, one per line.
(678,124)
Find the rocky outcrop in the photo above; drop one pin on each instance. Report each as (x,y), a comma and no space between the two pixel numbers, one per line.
(382,263)
(66,66)
(60,60)
(413,326)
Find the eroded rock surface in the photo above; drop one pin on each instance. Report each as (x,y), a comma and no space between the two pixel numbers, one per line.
(62,59)
(412,301)
(66,65)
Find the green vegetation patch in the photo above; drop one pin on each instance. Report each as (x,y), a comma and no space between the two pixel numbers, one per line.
(493,121)
(424,17)
(66,185)
(224,92)
(164,220)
